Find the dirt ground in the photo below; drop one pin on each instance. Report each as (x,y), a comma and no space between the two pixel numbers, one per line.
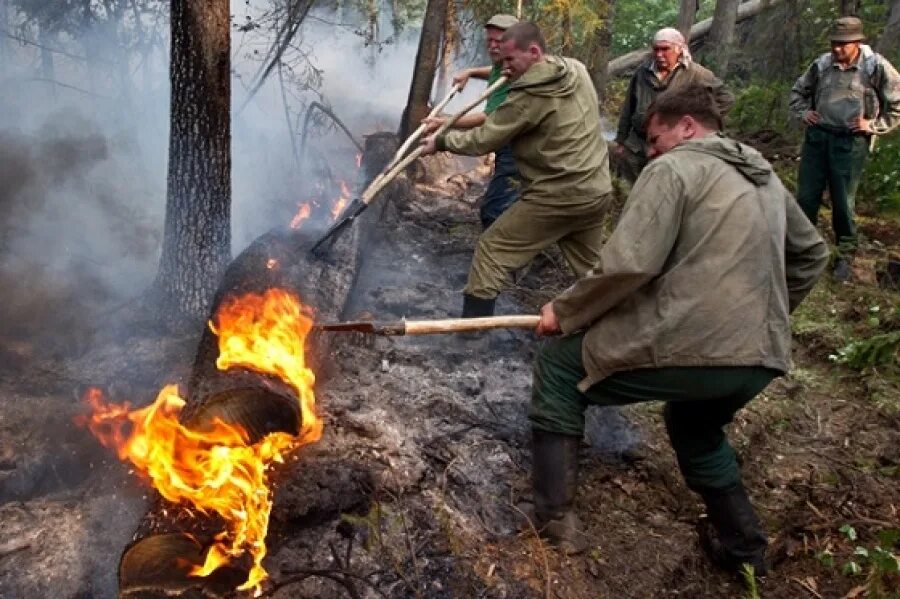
(411,492)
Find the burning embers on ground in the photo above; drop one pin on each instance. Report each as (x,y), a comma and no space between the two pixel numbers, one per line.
(305,210)
(215,469)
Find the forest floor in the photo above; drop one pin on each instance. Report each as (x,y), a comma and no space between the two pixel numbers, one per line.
(411,492)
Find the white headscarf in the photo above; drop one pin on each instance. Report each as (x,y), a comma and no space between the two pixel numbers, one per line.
(673,36)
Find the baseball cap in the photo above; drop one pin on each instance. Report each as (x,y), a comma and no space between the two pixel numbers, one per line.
(501,21)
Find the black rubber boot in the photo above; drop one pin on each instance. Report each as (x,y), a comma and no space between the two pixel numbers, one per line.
(555,480)
(474,307)
(734,536)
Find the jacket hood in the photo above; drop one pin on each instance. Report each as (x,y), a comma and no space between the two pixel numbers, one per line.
(749,162)
(552,77)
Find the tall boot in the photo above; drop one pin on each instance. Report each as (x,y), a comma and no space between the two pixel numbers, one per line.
(474,307)
(555,480)
(738,536)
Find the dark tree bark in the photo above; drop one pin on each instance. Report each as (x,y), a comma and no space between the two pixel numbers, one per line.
(449,48)
(889,42)
(687,12)
(718,44)
(600,49)
(197,238)
(849,8)
(425,67)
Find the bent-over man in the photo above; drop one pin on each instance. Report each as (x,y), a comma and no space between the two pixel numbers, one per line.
(845,97)
(670,66)
(552,123)
(688,304)
(503,188)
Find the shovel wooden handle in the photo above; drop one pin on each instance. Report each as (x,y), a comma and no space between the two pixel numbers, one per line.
(460,325)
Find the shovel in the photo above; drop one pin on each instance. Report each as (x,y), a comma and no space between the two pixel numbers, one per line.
(431,327)
(358,205)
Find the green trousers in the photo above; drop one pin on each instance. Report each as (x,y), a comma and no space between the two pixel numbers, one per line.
(834,160)
(524,230)
(699,402)
(627,165)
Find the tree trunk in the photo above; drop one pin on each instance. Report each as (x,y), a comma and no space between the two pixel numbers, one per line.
(4,26)
(197,238)
(849,8)
(889,42)
(449,48)
(629,61)
(687,12)
(425,66)
(565,26)
(717,48)
(599,52)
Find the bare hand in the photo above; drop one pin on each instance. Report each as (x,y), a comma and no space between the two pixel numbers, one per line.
(432,123)
(462,78)
(548,325)
(811,117)
(860,125)
(429,145)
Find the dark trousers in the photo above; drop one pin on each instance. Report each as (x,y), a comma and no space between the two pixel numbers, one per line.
(699,402)
(835,160)
(503,188)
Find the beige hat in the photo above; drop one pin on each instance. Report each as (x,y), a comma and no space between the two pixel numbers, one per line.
(847,29)
(503,22)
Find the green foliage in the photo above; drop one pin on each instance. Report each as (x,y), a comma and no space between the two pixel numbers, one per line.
(874,351)
(760,105)
(879,182)
(749,577)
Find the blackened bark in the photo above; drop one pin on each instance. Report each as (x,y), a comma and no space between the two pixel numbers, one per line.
(425,66)
(197,238)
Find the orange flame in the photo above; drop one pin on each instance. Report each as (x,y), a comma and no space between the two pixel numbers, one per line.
(341,202)
(271,263)
(215,470)
(302,214)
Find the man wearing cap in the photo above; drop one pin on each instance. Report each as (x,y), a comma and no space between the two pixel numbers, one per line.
(845,97)
(669,67)
(551,121)
(503,188)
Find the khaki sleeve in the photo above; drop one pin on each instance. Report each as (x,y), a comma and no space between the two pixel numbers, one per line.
(635,253)
(802,93)
(498,129)
(889,98)
(723,96)
(806,253)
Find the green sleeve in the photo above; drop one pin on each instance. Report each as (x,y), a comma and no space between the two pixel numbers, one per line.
(889,98)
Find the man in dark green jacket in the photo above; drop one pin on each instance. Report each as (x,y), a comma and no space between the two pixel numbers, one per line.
(552,123)
(503,188)
(670,66)
(688,304)
(845,97)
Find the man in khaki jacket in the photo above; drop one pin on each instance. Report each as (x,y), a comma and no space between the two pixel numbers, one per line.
(551,120)
(688,304)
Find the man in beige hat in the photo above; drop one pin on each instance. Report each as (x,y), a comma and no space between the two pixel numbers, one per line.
(845,97)
(503,188)
(670,66)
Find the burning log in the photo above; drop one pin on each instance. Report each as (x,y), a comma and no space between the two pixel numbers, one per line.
(249,403)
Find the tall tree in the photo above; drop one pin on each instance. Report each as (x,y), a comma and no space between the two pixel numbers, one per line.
(687,12)
(849,8)
(197,237)
(425,67)
(600,45)
(717,48)
(889,42)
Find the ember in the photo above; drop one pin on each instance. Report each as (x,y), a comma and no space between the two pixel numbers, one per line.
(215,470)
(302,214)
(341,202)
